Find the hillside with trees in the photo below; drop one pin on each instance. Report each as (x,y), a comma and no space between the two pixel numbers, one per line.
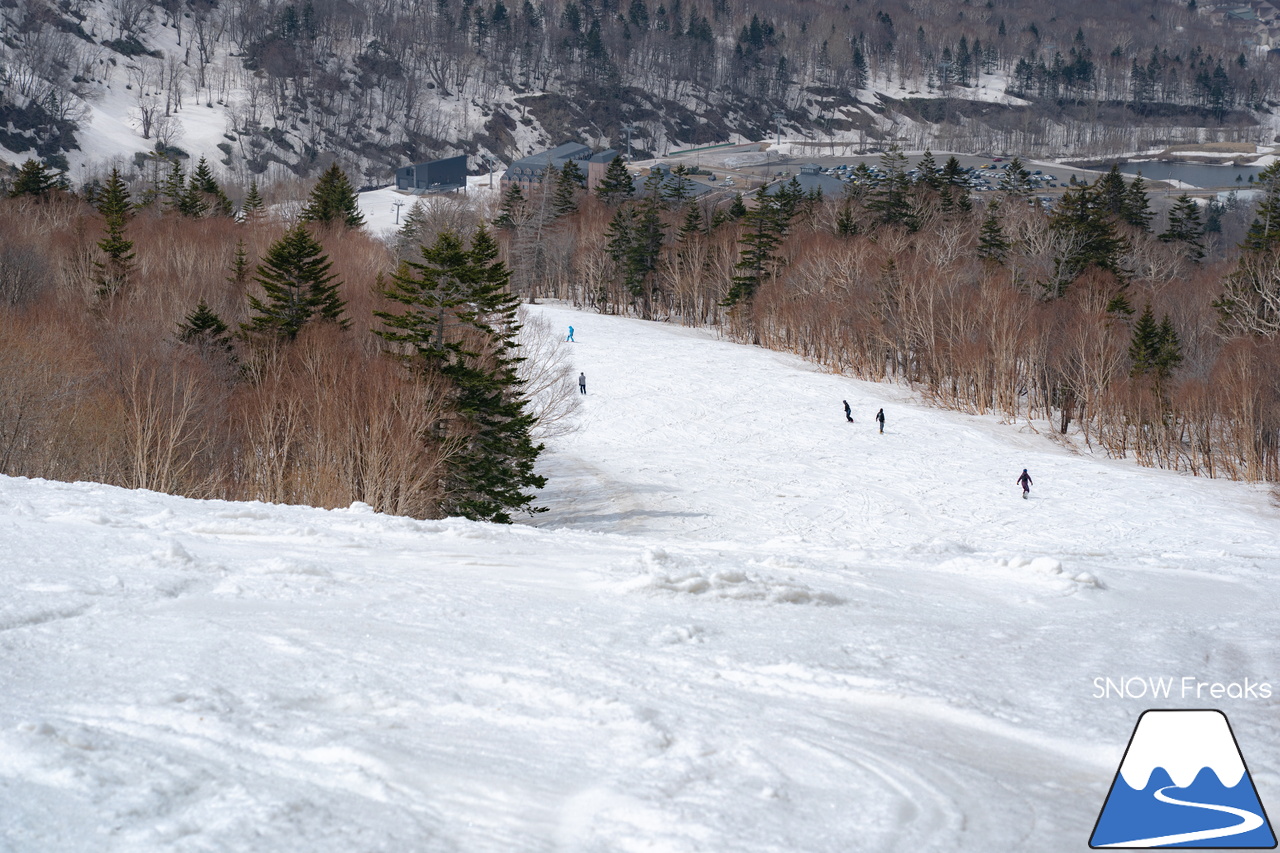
(381,84)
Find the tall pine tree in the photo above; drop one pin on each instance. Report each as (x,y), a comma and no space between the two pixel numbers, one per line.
(564,200)
(298,287)
(333,201)
(616,186)
(112,274)
(1154,350)
(253,209)
(512,208)
(457,320)
(762,235)
(993,246)
(1185,226)
(890,197)
(33,179)
(1136,210)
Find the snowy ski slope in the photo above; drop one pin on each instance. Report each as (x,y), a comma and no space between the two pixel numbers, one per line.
(745,625)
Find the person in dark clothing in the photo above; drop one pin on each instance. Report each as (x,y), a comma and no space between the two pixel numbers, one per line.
(582,383)
(848,412)
(880,419)
(1025,482)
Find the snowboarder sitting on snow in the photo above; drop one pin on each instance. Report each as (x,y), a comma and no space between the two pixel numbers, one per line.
(582,383)
(880,419)
(848,412)
(1025,482)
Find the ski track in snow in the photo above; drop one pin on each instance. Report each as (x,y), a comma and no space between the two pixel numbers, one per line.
(744,625)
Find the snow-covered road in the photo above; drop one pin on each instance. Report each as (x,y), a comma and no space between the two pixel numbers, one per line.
(744,625)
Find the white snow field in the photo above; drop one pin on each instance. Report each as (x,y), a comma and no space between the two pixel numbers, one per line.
(745,625)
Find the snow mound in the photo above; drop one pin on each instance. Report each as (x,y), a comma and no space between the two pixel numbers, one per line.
(1053,568)
(664,572)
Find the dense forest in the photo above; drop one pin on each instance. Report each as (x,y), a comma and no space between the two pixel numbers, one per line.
(153,337)
(383,83)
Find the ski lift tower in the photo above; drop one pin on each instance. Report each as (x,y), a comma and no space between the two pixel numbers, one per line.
(778,116)
(628,128)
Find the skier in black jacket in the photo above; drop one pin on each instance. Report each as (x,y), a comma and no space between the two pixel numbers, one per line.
(848,412)
(1025,482)
(880,419)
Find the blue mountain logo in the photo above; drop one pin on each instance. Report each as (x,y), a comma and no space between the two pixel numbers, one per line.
(1183,783)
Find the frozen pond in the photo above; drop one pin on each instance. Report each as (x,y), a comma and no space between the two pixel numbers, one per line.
(1195,174)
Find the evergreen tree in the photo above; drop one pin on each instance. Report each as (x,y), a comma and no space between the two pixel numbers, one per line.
(993,246)
(761,237)
(1110,192)
(619,234)
(693,224)
(192,202)
(789,199)
(253,208)
(616,185)
(1089,237)
(846,225)
(1137,211)
(564,199)
(458,321)
(955,188)
(240,266)
(927,169)
(333,201)
(113,203)
(497,468)
(33,179)
(511,208)
(1185,227)
(890,199)
(646,245)
(1016,180)
(409,235)
(737,208)
(677,188)
(297,285)
(215,199)
(204,329)
(175,187)
(1154,350)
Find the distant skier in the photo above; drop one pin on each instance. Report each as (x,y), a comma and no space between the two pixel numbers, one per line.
(880,419)
(1025,482)
(848,412)
(570,338)
(582,383)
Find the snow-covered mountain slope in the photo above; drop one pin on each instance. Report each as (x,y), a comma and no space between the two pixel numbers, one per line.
(744,625)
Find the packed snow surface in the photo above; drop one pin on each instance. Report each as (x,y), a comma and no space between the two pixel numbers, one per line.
(745,624)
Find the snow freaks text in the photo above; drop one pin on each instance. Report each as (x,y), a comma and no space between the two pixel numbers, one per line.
(1186,687)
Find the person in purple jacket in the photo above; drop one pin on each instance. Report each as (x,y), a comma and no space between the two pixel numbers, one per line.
(1025,482)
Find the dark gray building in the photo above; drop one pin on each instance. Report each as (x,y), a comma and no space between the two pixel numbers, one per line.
(528,171)
(434,176)
(811,178)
